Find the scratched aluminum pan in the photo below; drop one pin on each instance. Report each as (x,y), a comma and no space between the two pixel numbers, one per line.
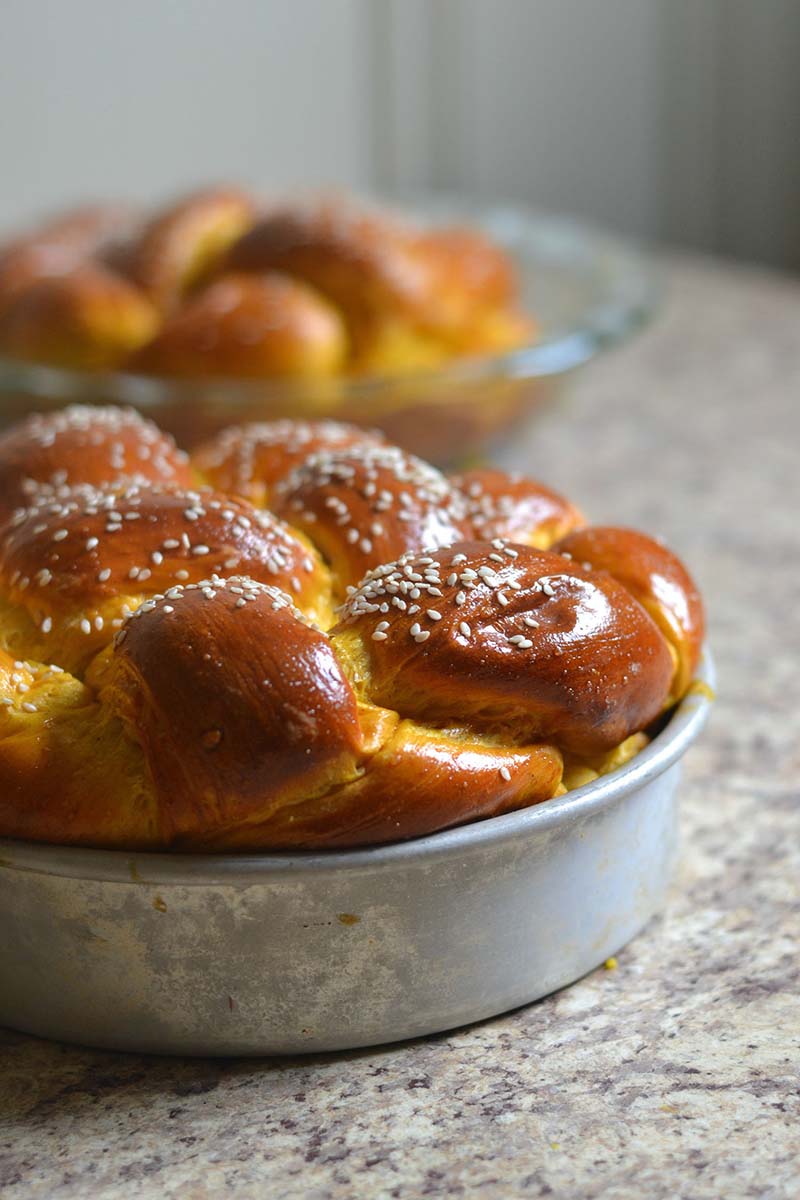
(275,954)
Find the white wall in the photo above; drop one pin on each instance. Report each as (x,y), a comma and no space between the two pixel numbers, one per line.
(111,98)
(677,119)
(557,102)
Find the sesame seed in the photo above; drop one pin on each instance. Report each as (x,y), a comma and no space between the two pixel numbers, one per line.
(157,557)
(181,574)
(434,615)
(28,707)
(379,636)
(103,575)
(92,542)
(505,774)
(98,623)
(47,625)
(503,599)
(465,629)
(415,629)
(422,636)
(200,550)
(85,627)
(59,535)
(168,608)
(23,687)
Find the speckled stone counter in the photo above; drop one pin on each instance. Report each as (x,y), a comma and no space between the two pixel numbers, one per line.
(676,1075)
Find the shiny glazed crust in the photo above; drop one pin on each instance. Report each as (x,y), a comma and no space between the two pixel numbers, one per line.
(368,504)
(250,460)
(48,453)
(518,509)
(173,675)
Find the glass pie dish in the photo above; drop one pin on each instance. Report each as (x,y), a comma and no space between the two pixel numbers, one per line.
(586,290)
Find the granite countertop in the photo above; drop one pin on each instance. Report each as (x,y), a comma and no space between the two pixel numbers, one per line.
(675,1075)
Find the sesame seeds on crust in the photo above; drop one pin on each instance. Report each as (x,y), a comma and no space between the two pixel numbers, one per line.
(48,454)
(367,505)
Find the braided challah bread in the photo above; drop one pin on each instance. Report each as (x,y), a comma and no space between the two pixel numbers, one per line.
(174,674)
(216,286)
(46,455)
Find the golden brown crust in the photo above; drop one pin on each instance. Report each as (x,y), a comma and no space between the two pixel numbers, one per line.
(365,264)
(421,780)
(48,453)
(183,243)
(362,291)
(68,773)
(471,270)
(75,566)
(551,651)
(367,505)
(249,327)
(88,318)
(249,460)
(467,679)
(270,747)
(658,580)
(269,718)
(515,508)
(56,246)
(409,299)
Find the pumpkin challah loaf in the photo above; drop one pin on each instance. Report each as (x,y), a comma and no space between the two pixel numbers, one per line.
(217,285)
(45,455)
(174,676)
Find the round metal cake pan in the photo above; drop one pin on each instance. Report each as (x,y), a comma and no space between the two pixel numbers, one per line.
(275,954)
